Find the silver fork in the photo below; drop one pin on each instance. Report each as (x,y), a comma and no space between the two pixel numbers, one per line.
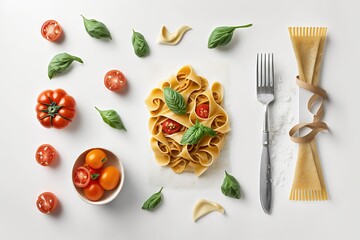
(265,95)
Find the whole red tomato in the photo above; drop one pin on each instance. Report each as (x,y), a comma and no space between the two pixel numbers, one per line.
(55,108)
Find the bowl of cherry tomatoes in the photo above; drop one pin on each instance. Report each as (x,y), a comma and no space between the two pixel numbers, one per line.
(98,176)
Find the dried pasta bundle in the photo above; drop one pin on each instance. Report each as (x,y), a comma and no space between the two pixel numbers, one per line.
(166,147)
(308,44)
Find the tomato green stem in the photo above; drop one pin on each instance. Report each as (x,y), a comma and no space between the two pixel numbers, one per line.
(52,110)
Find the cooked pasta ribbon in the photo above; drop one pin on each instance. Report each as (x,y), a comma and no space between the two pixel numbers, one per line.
(166,147)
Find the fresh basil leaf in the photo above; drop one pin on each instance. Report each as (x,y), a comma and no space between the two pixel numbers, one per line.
(112,118)
(208,131)
(195,133)
(175,101)
(152,201)
(60,62)
(230,187)
(96,29)
(221,36)
(141,47)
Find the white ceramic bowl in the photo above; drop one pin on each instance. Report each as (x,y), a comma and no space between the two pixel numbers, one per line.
(112,161)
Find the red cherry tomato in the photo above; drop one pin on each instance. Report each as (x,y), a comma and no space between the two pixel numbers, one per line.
(202,110)
(51,30)
(170,126)
(47,202)
(45,154)
(109,178)
(81,177)
(115,80)
(94,191)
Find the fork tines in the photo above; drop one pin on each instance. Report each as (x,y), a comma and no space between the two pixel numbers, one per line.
(265,70)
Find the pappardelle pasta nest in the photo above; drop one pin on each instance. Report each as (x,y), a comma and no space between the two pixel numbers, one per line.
(167,147)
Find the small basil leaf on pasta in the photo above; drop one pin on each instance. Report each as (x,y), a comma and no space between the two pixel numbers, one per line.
(230,187)
(208,131)
(195,133)
(141,47)
(61,62)
(175,101)
(112,118)
(96,29)
(221,36)
(152,201)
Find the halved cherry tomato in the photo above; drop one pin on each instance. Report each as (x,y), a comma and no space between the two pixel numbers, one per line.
(170,126)
(55,108)
(202,110)
(115,80)
(51,30)
(109,178)
(47,202)
(45,154)
(96,158)
(81,177)
(94,191)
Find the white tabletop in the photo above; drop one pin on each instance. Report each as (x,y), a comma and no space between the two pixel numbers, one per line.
(24,58)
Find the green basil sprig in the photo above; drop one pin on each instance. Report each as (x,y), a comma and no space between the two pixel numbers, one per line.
(141,47)
(96,29)
(152,201)
(221,36)
(175,101)
(230,187)
(60,62)
(195,133)
(112,118)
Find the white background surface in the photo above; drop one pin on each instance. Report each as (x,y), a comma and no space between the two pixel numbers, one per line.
(23,66)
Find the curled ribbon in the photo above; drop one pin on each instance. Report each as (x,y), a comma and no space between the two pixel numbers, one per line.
(316,125)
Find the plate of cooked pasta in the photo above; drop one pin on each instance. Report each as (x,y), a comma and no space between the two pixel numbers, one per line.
(188,123)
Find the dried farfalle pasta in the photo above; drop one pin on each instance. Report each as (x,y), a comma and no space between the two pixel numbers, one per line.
(308,44)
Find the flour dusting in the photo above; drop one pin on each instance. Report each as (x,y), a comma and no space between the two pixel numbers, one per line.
(282,117)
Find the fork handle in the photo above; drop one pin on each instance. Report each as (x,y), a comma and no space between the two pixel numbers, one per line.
(266,121)
(265,174)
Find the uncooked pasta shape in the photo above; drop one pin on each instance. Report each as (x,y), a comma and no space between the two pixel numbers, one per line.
(309,183)
(203,207)
(167,148)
